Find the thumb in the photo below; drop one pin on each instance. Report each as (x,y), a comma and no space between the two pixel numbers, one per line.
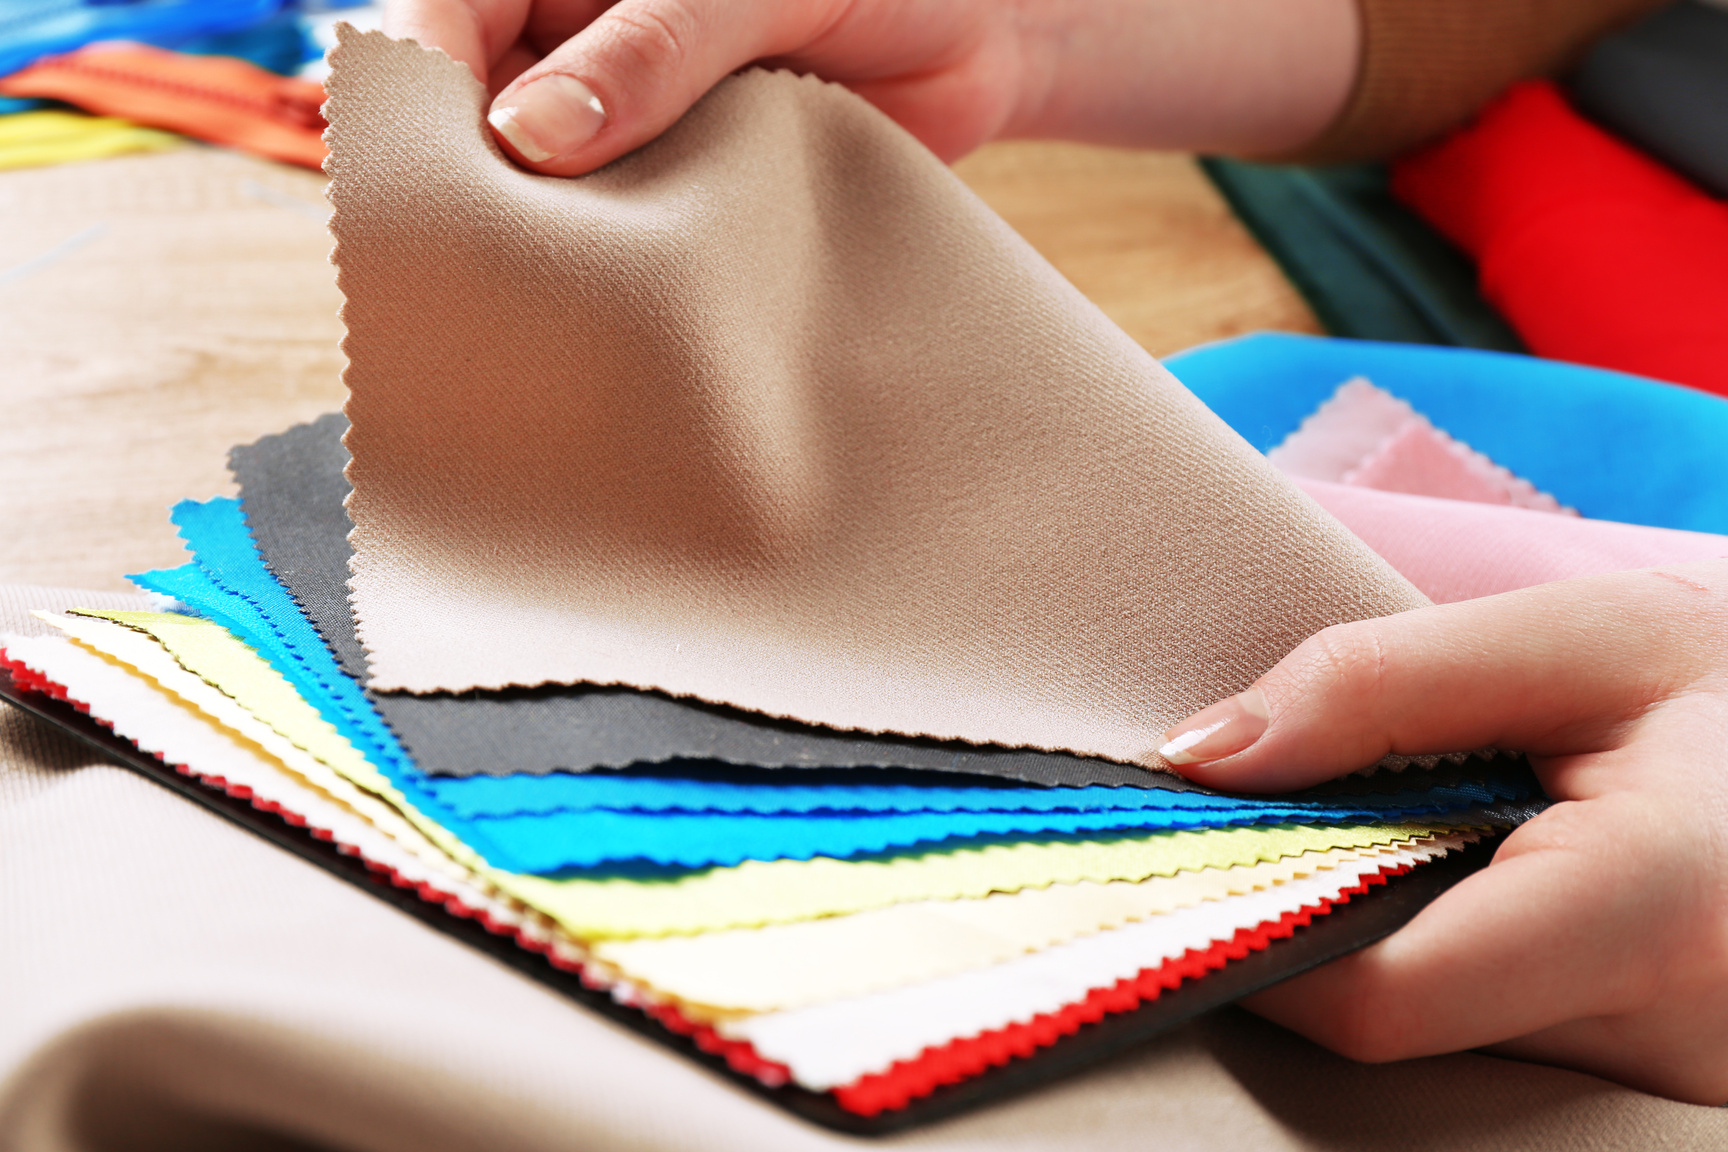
(630,74)
(1553,670)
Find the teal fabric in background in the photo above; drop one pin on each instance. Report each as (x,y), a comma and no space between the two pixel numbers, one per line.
(1368,267)
(1613,446)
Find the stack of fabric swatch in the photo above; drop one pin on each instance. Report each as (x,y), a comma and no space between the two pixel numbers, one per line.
(806,909)
(1594,211)
(1581,220)
(864,922)
(831,923)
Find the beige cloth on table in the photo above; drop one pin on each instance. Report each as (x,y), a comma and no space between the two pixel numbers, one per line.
(775,413)
(171,983)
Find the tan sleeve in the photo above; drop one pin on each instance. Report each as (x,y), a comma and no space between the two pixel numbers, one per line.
(1428,64)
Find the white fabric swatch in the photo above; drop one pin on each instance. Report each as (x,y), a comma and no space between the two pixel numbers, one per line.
(832,1044)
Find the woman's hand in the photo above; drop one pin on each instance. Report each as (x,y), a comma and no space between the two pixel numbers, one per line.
(1598,938)
(580,82)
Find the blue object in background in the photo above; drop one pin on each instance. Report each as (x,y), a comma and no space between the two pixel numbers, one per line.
(280,44)
(31,29)
(1613,446)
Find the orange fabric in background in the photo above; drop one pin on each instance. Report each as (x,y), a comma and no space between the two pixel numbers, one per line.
(214,98)
(1594,252)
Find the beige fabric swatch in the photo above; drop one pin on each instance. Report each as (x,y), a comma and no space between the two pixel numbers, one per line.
(773,412)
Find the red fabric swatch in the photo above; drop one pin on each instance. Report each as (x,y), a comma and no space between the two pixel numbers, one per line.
(1594,252)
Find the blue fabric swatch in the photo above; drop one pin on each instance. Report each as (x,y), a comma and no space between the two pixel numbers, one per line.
(1613,446)
(539,795)
(565,840)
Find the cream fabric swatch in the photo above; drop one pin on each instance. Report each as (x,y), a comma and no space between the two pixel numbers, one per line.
(794,965)
(250,690)
(775,413)
(831,1044)
(759,892)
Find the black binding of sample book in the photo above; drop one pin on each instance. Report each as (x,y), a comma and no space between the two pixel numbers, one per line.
(1350,926)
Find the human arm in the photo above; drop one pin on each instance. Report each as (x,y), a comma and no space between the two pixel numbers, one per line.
(1157,73)
(1316,80)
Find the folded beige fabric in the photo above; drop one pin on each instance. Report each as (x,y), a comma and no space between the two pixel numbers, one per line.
(775,413)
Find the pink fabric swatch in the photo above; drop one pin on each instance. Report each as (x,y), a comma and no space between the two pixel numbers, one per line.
(1449,519)
(1367,437)
(1458,550)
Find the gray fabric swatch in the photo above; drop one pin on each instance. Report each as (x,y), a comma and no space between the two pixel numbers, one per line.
(292,489)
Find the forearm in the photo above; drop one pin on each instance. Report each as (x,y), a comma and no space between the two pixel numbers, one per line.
(1245,76)
(1312,80)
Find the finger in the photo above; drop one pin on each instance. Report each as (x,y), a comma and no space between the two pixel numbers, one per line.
(473,32)
(1553,670)
(635,70)
(1576,918)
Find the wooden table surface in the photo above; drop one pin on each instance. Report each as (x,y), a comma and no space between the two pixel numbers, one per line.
(156,310)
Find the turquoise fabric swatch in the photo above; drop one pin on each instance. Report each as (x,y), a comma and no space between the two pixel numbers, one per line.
(566,840)
(539,795)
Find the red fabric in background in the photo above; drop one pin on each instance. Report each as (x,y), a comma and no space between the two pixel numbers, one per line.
(1594,252)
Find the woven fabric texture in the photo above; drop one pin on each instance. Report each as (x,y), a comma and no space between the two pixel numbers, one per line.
(774,413)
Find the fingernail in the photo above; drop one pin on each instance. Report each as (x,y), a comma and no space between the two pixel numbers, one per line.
(1219,731)
(553,115)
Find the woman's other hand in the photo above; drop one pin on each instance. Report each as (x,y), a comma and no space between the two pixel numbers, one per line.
(580,82)
(1598,938)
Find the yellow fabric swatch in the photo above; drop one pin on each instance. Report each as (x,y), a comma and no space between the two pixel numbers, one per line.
(228,664)
(793,965)
(757,892)
(36,139)
(144,657)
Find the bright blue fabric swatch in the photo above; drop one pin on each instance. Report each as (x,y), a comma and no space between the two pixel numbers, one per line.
(567,840)
(280,44)
(494,796)
(689,823)
(1613,446)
